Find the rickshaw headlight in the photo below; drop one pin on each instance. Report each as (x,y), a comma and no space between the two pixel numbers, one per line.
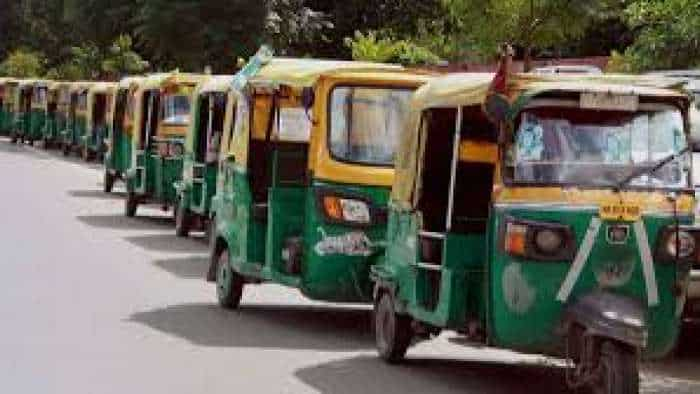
(685,243)
(346,209)
(548,241)
(515,239)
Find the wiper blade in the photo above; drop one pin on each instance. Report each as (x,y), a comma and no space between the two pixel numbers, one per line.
(653,168)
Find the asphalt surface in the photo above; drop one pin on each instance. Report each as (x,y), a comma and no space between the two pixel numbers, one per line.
(93,302)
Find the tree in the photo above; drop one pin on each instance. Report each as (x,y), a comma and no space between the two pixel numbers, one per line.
(667,35)
(23,64)
(122,59)
(290,26)
(370,47)
(526,24)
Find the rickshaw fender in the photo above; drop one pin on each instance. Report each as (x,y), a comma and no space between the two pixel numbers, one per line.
(607,315)
(218,246)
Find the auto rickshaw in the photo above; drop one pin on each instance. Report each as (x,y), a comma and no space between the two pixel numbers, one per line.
(57,104)
(9,104)
(99,106)
(551,216)
(118,141)
(22,110)
(162,122)
(77,118)
(306,164)
(4,111)
(37,114)
(201,160)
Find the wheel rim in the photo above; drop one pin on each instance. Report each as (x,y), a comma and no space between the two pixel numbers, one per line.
(223,277)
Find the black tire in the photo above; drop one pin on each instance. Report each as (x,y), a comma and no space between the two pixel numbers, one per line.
(85,154)
(183,219)
(31,142)
(13,139)
(229,283)
(130,204)
(619,372)
(108,183)
(393,332)
(66,149)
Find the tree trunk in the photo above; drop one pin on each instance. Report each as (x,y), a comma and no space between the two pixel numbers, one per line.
(527,59)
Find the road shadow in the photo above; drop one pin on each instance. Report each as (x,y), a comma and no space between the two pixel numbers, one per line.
(99,194)
(370,375)
(169,243)
(121,222)
(192,267)
(22,149)
(264,326)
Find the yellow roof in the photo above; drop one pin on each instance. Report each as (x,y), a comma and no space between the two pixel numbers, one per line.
(102,87)
(216,84)
(31,82)
(80,86)
(157,81)
(128,82)
(305,72)
(56,85)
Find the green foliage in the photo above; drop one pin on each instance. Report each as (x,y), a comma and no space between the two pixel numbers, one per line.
(23,64)
(290,24)
(369,46)
(527,24)
(122,59)
(668,35)
(65,72)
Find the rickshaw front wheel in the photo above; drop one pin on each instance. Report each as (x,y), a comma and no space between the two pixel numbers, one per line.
(183,219)
(130,205)
(619,370)
(229,284)
(393,332)
(108,183)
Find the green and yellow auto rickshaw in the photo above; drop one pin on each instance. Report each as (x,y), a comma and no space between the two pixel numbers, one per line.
(10,98)
(306,164)
(162,121)
(57,103)
(99,106)
(202,147)
(118,142)
(37,114)
(558,224)
(72,136)
(4,110)
(22,110)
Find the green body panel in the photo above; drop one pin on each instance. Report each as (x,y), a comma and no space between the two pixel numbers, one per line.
(52,125)
(74,131)
(4,120)
(94,138)
(22,124)
(196,191)
(154,177)
(515,299)
(118,156)
(37,119)
(256,241)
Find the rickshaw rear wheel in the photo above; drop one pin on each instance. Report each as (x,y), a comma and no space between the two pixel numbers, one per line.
(393,332)
(619,370)
(66,149)
(108,183)
(183,219)
(229,283)
(130,204)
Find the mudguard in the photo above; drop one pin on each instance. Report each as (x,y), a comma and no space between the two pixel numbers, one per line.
(609,315)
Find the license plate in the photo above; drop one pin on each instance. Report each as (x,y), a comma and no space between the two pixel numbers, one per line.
(620,212)
(609,101)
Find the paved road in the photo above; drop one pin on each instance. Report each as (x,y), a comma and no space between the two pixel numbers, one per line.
(92,302)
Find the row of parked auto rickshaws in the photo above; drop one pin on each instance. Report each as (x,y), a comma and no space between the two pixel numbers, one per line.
(545,214)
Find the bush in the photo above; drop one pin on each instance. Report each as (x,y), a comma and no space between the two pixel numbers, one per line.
(23,64)
(370,47)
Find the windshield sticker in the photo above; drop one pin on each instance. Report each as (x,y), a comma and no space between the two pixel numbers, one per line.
(355,243)
(530,141)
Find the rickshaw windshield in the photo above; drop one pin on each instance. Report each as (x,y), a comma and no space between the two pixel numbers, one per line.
(176,110)
(365,123)
(39,95)
(581,147)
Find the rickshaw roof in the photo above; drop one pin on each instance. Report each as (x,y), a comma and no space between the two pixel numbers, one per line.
(471,88)
(157,81)
(102,87)
(297,72)
(80,86)
(128,82)
(55,85)
(32,82)
(216,84)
